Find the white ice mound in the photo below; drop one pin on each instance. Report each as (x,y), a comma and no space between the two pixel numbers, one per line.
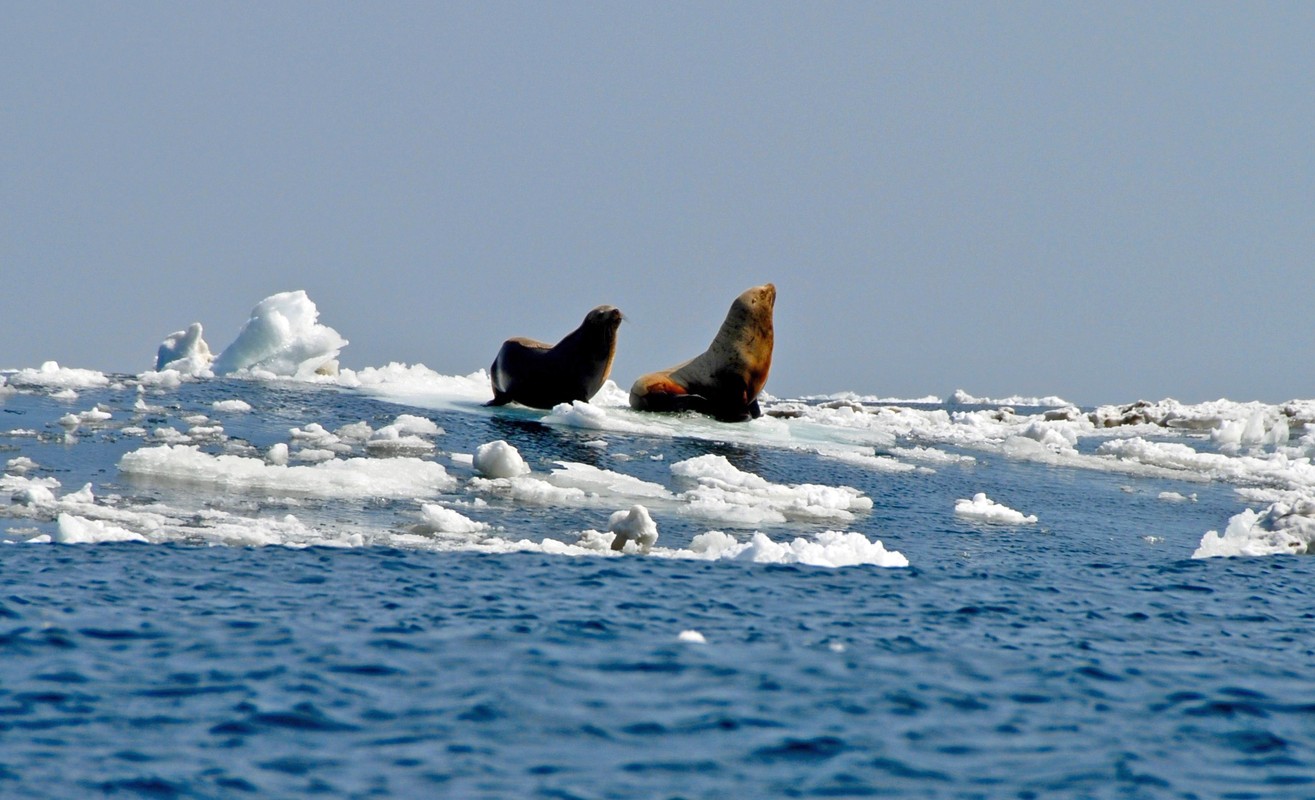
(500,460)
(184,351)
(438,519)
(960,397)
(829,549)
(1263,427)
(1281,528)
(284,338)
(634,527)
(984,509)
(353,477)
(73,529)
(51,375)
(727,493)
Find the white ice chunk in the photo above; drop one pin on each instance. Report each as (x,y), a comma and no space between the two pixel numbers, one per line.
(604,482)
(1281,528)
(1176,497)
(391,441)
(79,530)
(283,338)
(412,425)
(33,494)
(355,477)
(691,637)
(829,549)
(355,432)
(963,398)
(499,459)
(185,352)
(986,510)
(594,417)
(725,492)
(52,376)
(634,529)
(234,405)
(20,465)
(277,455)
(437,519)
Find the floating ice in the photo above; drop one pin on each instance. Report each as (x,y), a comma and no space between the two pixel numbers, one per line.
(830,549)
(960,397)
(420,386)
(90,417)
(416,426)
(634,529)
(592,416)
(437,519)
(727,493)
(389,440)
(871,461)
(1262,427)
(355,477)
(499,460)
(283,338)
(571,474)
(52,376)
(402,437)
(232,406)
(77,530)
(314,456)
(692,637)
(986,510)
(1176,497)
(184,352)
(20,465)
(1281,528)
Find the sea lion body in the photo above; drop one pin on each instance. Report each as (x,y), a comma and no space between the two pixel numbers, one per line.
(541,375)
(723,381)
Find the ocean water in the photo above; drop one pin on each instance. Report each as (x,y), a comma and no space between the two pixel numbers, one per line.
(321,629)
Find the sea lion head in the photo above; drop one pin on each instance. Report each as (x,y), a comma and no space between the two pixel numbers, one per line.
(595,342)
(604,318)
(748,327)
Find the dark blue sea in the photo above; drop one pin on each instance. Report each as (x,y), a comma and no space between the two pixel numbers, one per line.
(1085,655)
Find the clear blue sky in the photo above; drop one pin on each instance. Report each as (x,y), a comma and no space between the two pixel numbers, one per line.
(1102,201)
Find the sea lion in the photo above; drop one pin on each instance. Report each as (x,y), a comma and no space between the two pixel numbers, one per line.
(540,375)
(724,380)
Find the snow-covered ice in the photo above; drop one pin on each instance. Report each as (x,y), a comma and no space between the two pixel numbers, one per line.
(184,352)
(283,337)
(984,509)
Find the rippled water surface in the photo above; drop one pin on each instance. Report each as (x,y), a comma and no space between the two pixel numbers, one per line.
(1084,656)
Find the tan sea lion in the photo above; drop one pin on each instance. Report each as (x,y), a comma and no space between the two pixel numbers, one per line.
(540,375)
(724,380)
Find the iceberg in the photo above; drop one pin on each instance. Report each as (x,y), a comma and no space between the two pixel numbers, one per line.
(284,338)
(185,352)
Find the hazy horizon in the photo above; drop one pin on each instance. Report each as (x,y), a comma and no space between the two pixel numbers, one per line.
(1102,203)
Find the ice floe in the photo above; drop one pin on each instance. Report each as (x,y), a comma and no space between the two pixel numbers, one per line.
(51,375)
(498,459)
(827,549)
(354,477)
(1283,528)
(984,509)
(724,492)
(184,352)
(283,337)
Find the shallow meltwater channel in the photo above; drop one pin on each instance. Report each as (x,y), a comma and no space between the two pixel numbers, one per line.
(818,615)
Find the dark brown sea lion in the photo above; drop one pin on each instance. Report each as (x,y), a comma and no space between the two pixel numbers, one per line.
(724,380)
(540,375)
